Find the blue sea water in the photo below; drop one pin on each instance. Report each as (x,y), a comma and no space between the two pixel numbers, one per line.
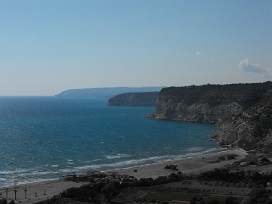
(46,137)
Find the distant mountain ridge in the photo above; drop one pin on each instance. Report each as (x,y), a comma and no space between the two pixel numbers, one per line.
(134,99)
(104,93)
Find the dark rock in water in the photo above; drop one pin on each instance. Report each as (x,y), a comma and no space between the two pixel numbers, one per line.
(171,166)
(208,103)
(250,129)
(134,99)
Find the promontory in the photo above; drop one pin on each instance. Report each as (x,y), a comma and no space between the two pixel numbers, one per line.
(242,112)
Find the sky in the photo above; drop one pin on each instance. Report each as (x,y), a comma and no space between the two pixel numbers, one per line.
(47,46)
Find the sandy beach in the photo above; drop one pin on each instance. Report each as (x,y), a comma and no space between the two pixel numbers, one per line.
(36,192)
(191,165)
(44,190)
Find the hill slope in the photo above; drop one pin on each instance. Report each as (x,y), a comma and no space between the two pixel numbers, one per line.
(251,128)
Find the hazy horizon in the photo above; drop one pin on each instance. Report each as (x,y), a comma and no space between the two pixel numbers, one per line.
(113,87)
(50,46)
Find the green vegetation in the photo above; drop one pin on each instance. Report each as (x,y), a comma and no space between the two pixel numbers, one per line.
(213,95)
(220,186)
(194,198)
(134,99)
(167,196)
(241,176)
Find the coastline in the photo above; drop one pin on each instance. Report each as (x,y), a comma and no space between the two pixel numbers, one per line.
(188,165)
(40,191)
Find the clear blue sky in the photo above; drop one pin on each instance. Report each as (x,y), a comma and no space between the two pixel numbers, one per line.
(47,46)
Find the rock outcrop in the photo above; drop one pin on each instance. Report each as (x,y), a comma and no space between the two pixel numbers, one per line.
(251,128)
(208,103)
(134,99)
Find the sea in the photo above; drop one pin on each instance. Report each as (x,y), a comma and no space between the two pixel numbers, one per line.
(44,138)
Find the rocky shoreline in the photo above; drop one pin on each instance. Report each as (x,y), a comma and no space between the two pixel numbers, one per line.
(242,112)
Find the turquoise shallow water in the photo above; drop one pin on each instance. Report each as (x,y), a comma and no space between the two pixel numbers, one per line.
(46,137)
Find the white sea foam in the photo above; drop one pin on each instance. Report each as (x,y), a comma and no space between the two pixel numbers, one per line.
(117,156)
(194,149)
(137,162)
(17,171)
(95,160)
(91,142)
(121,164)
(67,170)
(9,176)
(39,173)
(34,180)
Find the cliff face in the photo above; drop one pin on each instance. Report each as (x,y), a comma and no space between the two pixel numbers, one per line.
(134,99)
(251,128)
(208,103)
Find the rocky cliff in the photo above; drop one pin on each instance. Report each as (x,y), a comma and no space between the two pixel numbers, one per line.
(208,103)
(251,128)
(134,99)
